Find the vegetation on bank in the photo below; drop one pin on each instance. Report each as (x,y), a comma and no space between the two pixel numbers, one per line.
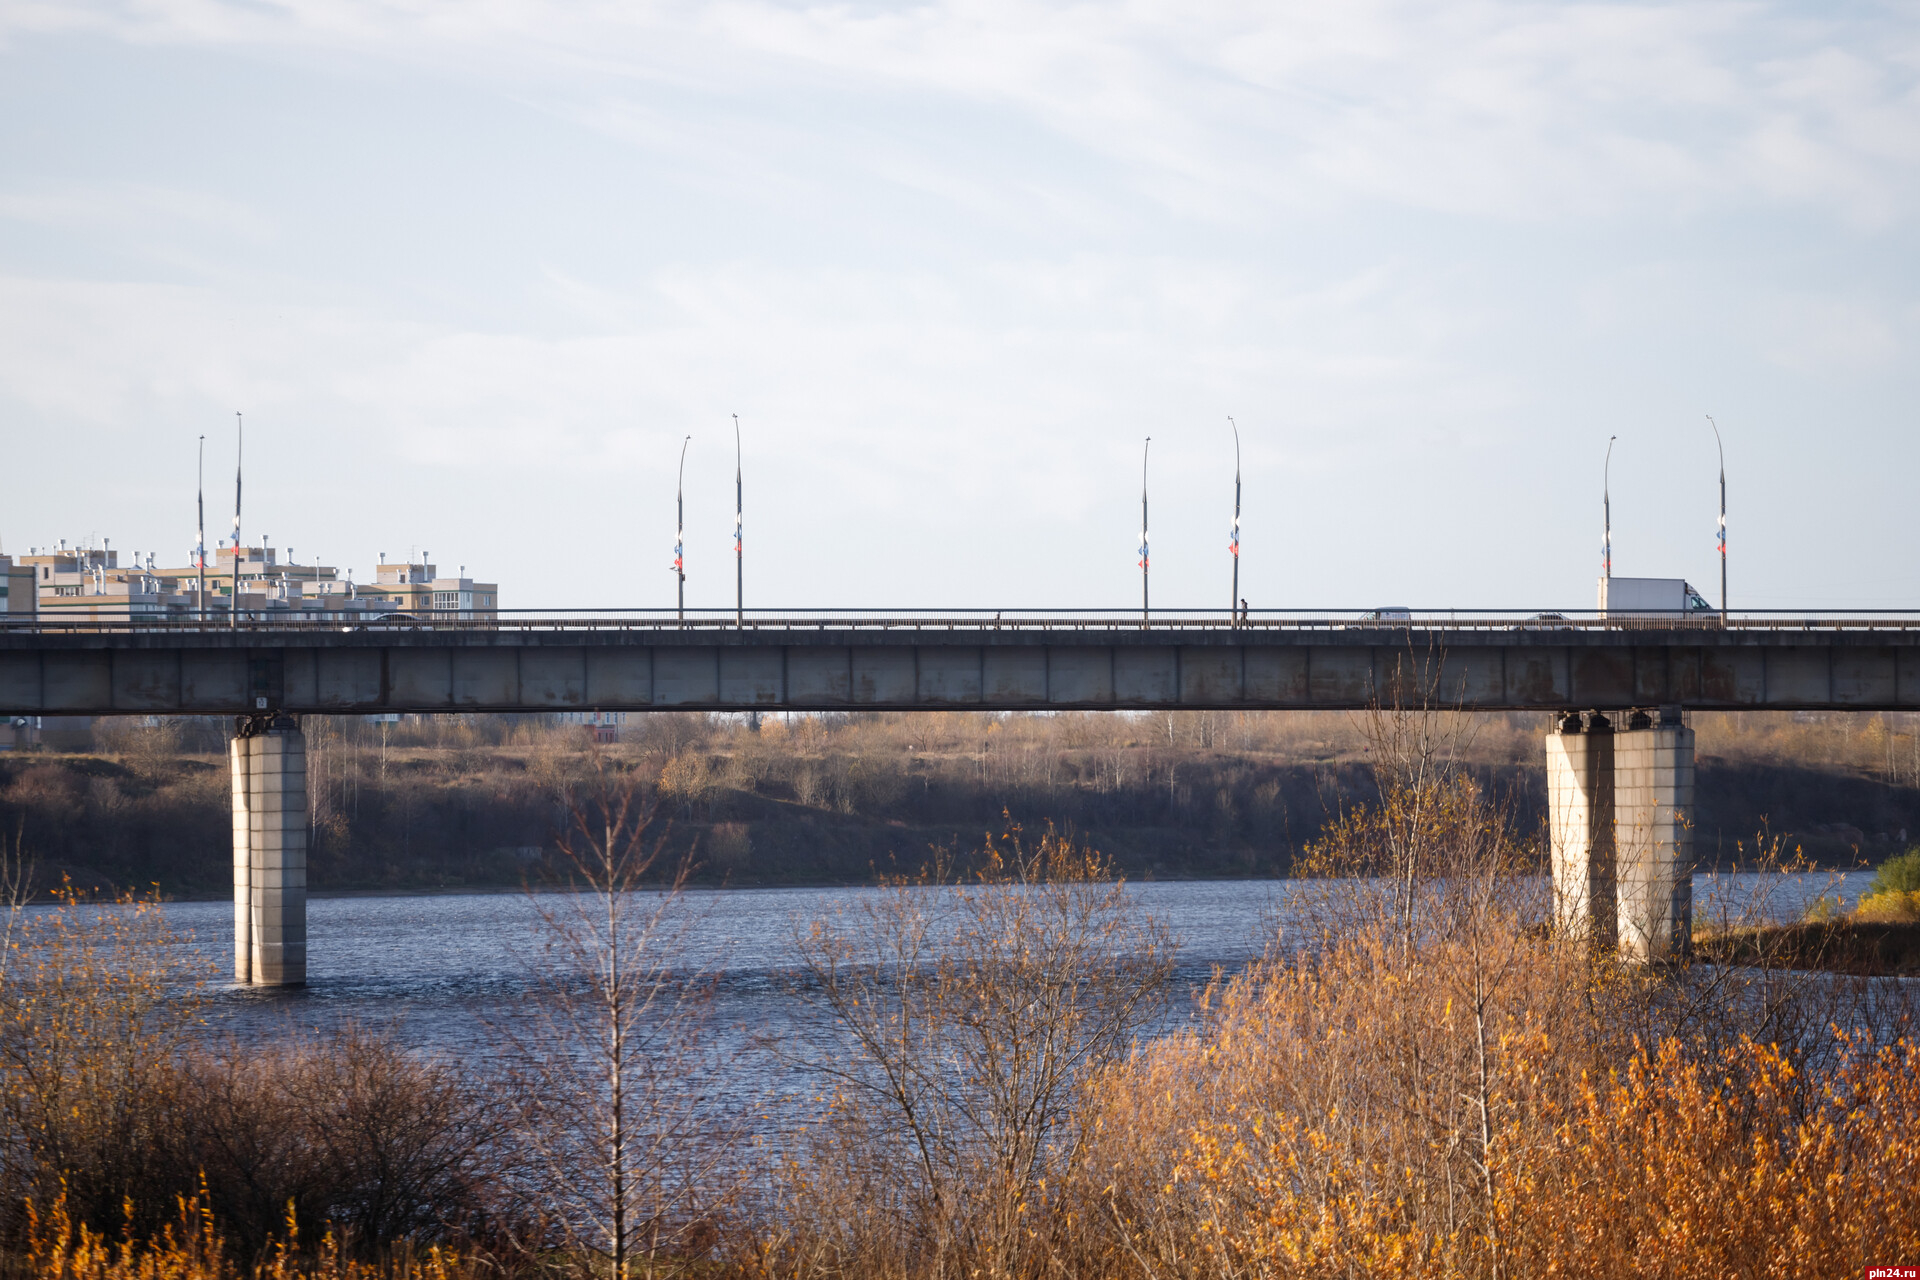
(469,801)
(1881,935)
(1844,944)
(1894,893)
(1417,1078)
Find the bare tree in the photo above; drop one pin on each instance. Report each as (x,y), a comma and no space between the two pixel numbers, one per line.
(16,879)
(606,1057)
(966,1017)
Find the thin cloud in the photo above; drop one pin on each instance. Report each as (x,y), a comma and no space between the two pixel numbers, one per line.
(1491,109)
(482,266)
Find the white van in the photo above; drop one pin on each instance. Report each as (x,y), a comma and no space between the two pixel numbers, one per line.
(1651,598)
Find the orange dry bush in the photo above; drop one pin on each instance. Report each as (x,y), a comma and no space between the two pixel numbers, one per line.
(187,1249)
(1434,1084)
(1349,1115)
(191,1248)
(1351,1119)
(1739,1161)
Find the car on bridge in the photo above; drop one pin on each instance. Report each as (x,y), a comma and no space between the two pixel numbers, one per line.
(398,620)
(1651,598)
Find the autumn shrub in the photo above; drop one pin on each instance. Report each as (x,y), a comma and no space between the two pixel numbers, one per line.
(959,1021)
(1663,1165)
(190,1246)
(1423,1079)
(1481,1103)
(1345,1107)
(1892,907)
(1740,1162)
(89,1033)
(1894,893)
(344,1134)
(115,1108)
(1897,875)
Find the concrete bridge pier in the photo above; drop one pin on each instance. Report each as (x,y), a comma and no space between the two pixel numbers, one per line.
(1620,802)
(1653,836)
(1580,804)
(269,760)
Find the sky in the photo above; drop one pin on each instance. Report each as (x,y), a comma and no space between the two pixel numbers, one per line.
(475,271)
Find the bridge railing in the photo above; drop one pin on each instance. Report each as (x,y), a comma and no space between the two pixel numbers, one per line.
(699,621)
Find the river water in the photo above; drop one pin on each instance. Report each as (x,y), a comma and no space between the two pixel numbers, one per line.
(452,976)
(436,971)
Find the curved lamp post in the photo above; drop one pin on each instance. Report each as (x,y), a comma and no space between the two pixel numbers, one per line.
(1145,613)
(680,530)
(739,544)
(1233,604)
(1606,507)
(200,535)
(239,448)
(1723,517)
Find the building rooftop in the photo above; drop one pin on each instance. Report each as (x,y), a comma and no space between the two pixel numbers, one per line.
(92,583)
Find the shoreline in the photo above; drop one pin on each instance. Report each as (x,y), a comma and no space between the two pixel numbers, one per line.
(452,891)
(489,891)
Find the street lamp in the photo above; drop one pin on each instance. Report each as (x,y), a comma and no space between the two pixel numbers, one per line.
(1606,507)
(239,449)
(680,531)
(1145,614)
(739,553)
(200,543)
(1233,604)
(1723,517)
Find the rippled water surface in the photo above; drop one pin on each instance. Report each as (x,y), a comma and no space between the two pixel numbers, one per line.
(435,970)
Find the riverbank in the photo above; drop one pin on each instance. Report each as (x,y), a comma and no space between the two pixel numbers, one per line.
(1866,948)
(472,803)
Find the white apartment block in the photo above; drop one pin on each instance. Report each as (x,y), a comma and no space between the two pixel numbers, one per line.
(90,584)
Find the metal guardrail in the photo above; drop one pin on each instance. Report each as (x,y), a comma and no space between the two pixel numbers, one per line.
(938,620)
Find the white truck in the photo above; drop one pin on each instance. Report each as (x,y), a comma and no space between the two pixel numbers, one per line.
(1651,598)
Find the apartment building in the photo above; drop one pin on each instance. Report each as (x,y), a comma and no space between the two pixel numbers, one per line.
(91,584)
(418,588)
(17,594)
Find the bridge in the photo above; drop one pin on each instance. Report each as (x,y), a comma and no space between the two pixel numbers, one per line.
(959,661)
(1619,753)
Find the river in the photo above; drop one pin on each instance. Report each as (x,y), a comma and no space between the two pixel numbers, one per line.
(436,971)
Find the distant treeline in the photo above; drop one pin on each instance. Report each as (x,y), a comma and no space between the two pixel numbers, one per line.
(467,801)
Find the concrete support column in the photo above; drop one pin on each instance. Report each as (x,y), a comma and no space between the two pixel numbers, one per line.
(240,753)
(1653,834)
(270,882)
(1580,823)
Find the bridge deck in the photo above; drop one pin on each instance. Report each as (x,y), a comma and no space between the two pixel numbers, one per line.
(627,663)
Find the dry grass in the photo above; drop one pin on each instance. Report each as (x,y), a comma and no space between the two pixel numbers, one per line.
(192,1247)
